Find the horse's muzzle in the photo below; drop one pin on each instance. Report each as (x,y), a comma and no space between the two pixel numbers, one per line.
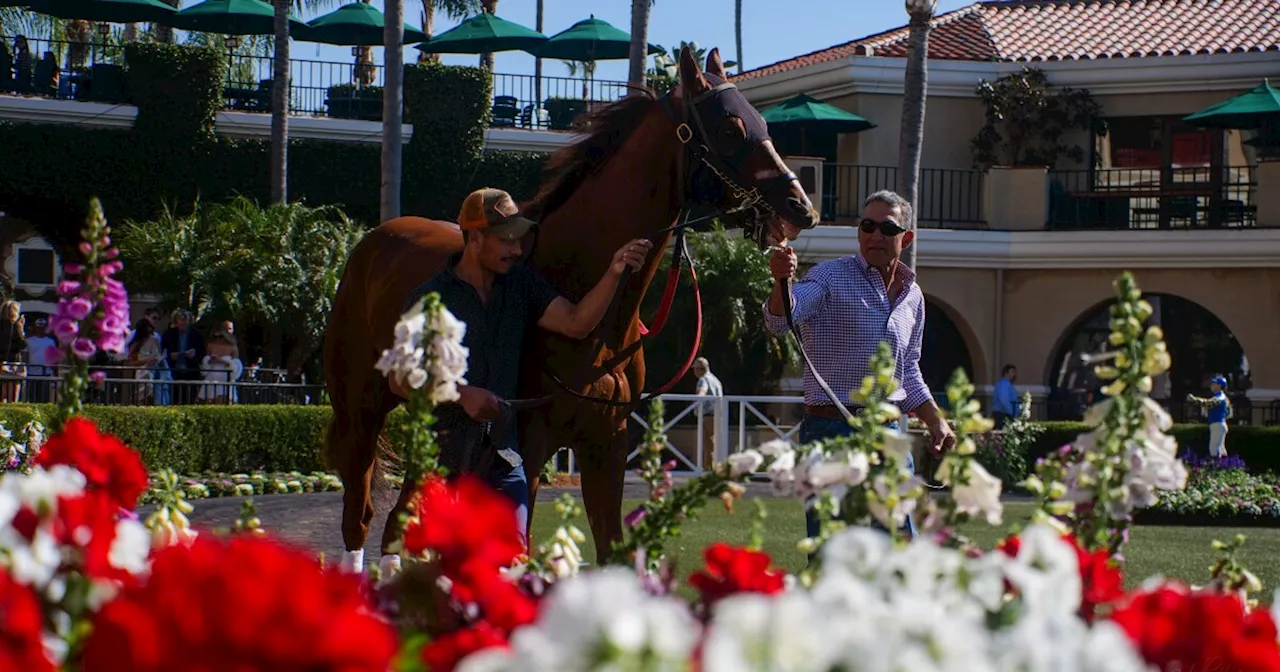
(801,213)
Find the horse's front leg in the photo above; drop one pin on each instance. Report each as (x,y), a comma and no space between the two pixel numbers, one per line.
(603,464)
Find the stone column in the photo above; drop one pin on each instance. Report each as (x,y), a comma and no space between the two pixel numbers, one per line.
(1016,199)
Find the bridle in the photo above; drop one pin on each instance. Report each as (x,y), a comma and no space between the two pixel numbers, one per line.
(702,173)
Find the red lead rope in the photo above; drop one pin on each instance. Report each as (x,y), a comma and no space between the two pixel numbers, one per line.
(664,308)
(697,333)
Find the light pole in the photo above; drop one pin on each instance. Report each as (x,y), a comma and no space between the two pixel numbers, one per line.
(914,91)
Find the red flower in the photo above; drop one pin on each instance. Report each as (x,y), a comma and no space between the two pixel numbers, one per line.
(107,463)
(1174,629)
(88,523)
(244,604)
(734,570)
(444,653)
(21,624)
(465,519)
(1101,581)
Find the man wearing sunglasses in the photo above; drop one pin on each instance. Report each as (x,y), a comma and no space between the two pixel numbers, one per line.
(843,309)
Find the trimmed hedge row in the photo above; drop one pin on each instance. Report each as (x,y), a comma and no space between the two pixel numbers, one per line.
(172,157)
(191,439)
(1258,446)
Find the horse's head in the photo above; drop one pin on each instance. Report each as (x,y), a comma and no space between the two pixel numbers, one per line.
(730,161)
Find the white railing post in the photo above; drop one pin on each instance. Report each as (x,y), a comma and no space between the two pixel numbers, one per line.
(722,428)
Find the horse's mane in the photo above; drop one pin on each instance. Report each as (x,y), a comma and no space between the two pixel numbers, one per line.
(606,130)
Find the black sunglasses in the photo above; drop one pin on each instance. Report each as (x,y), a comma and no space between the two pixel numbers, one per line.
(888,228)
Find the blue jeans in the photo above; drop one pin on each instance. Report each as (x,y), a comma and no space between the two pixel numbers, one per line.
(813,428)
(511,482)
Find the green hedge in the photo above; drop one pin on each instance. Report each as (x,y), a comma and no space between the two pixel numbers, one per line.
(172,157)
(178,91)
(1258,446)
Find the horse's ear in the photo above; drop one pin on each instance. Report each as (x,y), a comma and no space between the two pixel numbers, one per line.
(690,75)
(715,66)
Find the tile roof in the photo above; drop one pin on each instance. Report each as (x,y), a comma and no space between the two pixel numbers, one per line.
(1052,30)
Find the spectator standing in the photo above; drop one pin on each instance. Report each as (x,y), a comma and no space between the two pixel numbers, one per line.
(708,386)
(1004,402)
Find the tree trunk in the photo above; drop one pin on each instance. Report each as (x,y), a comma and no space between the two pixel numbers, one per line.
(130,32)
(428,27)
(392,105)
(912,138)
(737,30)
(537,69)
(280,106)
(639,41)
(486,59)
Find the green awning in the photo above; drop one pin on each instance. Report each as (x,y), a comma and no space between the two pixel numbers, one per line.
(358,24)
(484,33)
(1251,110)
(101,11)
(802,110)
(590,40)
(233,17)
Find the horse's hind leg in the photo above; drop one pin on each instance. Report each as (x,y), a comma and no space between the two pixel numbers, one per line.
(354,452)
(604,466)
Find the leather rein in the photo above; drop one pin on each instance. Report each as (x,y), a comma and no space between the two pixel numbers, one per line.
(696,154)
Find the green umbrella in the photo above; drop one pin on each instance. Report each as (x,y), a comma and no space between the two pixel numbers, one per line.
(590,40)
(233,17)
(801,110)
(358,24)
(104,11)
(1252,110)
(484,33)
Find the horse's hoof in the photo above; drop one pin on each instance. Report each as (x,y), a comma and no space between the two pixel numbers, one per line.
(352,561)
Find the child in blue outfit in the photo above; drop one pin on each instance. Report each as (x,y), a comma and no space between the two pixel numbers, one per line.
(1217,409)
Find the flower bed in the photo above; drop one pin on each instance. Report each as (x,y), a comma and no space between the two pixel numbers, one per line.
(86,586)
(1219,492)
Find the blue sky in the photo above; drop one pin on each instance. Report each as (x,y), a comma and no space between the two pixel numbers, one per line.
(772,30)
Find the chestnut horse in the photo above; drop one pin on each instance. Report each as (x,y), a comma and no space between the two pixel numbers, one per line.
(643,161)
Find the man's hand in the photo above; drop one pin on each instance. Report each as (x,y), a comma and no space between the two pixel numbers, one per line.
(941,437)
(783,263)
(632,255)
(480,404)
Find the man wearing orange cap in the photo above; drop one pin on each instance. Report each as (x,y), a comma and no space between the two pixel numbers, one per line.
(499,298)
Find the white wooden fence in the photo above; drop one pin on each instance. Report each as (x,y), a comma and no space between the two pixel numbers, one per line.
(740,422)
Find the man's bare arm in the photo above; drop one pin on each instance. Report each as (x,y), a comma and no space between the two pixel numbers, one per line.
(577,320)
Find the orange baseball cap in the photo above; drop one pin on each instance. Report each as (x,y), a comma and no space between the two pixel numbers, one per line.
(495,213)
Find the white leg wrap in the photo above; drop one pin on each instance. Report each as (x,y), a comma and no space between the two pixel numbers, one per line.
(353,561)
(388,566)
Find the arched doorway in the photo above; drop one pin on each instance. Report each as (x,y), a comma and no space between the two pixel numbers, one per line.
(1199,343)
(942,351)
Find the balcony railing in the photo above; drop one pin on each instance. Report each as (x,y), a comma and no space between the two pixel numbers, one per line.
(949,199)
(1152,198)
(317,88)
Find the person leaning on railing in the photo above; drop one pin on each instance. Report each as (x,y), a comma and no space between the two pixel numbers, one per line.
(844,308)
(13,343)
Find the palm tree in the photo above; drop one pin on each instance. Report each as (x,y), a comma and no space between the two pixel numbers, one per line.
(915,86)
(737,30)
(588,70)
(162,32)
(639,41)
(280,105)
(392,106)
(491,7)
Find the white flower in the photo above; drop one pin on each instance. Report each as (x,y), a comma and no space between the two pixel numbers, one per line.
(782,472)
(891,507)
(856,550)
(849,468)
(1046,571)
(898,443)
(755,632)
(981,495)
(595,621)
(131,546)
(442,366)
(746,462)
(775,448)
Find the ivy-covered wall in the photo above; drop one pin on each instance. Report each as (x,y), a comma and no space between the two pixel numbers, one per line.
(172,157)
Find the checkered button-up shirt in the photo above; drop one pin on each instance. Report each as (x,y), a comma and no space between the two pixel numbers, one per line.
(842,311)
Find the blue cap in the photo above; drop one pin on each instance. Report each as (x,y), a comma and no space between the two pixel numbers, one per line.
(1219,380)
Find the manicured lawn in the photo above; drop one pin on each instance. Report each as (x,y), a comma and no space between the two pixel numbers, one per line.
(1175,552)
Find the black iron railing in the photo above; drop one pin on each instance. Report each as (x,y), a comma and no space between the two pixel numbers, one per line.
(949,199)
(1152,198)
(350,90)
